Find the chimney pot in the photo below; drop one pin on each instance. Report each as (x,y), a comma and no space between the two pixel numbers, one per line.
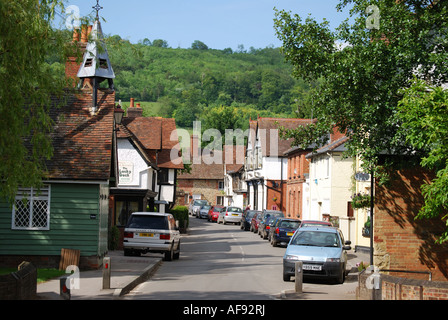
(76,35)
(132,103)
(84,35)
(138,105)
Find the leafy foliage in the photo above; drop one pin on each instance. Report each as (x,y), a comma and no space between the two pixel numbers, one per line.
(27,85)
(362,83)
(189,83)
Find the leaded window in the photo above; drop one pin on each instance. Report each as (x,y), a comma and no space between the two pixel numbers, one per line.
(31,210)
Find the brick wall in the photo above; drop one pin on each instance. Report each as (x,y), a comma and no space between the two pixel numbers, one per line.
(398,288)
(401,241)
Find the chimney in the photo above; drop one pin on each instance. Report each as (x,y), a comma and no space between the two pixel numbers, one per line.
(195,147)
(336,135)
(134,112)
(79,43)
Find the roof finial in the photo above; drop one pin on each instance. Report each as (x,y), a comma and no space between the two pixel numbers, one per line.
(97,8)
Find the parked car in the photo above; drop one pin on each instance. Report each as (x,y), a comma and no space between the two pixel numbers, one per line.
(152,232)
(254,222)
(315,223)
(282,230)
(247,218)
(213,213)
(230,215)
(322,251)
(195,205)
(265,215)
(203,211)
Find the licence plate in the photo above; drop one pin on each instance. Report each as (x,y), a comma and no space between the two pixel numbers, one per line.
(289,233)
(312,267)
(234,214)
(146,234)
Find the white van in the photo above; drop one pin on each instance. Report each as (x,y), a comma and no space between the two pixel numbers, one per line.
(152,232)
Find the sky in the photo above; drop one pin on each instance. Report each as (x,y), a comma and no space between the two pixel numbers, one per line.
(219,24)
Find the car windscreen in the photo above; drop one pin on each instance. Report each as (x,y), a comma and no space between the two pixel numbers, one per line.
(316,238)
(289,224)
(234,209)
(206,207)
(200,202)
(148,222)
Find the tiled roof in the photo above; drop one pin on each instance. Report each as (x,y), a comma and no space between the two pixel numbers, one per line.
(82,142)
(158,137)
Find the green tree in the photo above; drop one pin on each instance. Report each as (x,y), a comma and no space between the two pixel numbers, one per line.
(27,84)
(361,84)
(199,45)
(423,112)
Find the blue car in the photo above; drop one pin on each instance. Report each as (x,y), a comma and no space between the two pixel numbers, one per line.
(322,251)
(282,230)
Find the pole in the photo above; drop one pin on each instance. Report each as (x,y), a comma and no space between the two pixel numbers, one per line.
(371,217)
(299,277)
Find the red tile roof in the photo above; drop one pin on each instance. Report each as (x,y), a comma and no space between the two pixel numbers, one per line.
(82,142)
(158,137)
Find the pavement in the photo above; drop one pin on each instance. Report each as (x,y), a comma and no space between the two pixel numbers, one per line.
(128,272)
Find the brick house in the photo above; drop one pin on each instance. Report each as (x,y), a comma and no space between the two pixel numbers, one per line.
(297,185)
(402,242)
(266,165)
(205,180)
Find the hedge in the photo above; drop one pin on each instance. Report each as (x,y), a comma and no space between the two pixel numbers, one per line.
(180,213)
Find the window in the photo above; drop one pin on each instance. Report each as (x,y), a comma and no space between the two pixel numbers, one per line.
(31,210)
(220,185)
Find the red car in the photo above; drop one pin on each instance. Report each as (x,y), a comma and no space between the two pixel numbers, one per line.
(213,213)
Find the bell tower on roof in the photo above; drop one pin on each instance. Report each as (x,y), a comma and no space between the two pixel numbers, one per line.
(96,64)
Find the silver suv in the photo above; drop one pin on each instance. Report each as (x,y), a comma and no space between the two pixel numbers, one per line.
(152,232)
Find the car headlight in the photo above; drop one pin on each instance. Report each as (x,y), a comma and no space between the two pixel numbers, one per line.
(333,260)
(291,258)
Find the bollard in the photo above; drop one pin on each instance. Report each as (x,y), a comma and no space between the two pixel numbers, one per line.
(299,276)
(106,273)
(64,290)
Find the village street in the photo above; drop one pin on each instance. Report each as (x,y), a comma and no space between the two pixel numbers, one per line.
(222,262)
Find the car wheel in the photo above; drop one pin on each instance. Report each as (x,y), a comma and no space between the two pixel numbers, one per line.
(169,255)
(177,254)
(286,277)
(341,277)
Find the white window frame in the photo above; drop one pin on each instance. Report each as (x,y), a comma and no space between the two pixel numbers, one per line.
(32,195)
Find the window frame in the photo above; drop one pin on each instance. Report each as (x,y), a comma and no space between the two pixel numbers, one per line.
(32,195)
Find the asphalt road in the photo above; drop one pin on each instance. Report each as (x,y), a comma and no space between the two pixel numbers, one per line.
(222,262)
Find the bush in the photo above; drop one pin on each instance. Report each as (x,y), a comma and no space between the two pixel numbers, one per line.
(180,213)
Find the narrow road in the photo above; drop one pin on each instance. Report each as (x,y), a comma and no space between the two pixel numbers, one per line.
(222,262)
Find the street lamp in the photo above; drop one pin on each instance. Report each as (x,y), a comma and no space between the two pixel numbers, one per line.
(118,114)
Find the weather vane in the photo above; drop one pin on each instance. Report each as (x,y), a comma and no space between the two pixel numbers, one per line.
(97,8)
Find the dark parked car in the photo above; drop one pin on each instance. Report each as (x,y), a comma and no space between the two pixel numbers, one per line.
(267,225)
(265,215)
(283,230)
(247,219)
